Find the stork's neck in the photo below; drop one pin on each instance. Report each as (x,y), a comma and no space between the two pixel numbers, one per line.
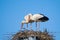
(28,19)
(24,21)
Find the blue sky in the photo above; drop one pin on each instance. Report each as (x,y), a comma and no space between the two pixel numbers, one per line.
(13,11)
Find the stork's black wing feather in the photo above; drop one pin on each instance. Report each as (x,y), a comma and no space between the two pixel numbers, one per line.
(43,19)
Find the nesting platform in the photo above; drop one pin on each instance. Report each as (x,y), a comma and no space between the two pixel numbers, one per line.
(37,35)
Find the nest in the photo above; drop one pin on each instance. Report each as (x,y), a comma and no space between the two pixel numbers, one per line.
(27,33)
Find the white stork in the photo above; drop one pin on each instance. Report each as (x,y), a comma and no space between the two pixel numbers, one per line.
(34,18)
(27,19)
(39,18)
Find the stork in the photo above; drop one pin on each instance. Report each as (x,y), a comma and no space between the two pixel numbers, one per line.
(27,19)
(34,18)
(39,18)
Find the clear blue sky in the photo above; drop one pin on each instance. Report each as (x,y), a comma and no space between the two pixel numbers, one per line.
(13,11)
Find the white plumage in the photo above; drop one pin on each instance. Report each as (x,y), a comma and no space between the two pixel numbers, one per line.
(38,17)
(35,17)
